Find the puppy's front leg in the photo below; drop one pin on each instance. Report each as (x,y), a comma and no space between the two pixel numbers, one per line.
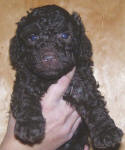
(26,108)
(83,94)
(103,131)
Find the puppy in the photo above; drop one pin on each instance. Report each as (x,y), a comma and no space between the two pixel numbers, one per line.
(48,43)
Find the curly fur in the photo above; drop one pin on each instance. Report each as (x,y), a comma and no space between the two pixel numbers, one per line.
(40,53)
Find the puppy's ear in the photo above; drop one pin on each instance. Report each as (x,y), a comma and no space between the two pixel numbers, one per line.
(16,53)
(85,48)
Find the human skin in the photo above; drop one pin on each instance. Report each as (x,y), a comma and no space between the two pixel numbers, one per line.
(59,128)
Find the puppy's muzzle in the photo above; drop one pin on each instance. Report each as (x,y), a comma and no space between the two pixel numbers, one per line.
(49,59)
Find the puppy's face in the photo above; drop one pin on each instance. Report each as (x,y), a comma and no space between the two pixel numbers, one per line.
(49,41)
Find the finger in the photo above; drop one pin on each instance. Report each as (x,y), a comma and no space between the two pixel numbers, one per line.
(72,119)
(12,121)
(74,127)
(11,125)
(62,84)
(65,80)
(57,90)
(64,110)
(86,147)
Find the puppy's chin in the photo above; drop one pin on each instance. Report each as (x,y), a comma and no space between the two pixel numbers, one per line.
(52,74)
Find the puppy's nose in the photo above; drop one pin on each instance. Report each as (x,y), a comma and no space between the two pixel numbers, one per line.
(49,58)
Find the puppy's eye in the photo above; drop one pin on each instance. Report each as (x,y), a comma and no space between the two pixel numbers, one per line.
(34,37)
(65,35)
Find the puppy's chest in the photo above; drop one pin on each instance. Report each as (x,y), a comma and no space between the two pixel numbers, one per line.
(74,93)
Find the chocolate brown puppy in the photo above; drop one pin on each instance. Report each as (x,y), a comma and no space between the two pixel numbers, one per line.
(48,43)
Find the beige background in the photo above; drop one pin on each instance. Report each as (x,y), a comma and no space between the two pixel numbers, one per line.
(105,26)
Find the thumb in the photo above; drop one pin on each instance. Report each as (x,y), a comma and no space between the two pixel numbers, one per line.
(56,91)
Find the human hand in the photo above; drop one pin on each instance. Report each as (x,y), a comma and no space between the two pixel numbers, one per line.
(61,119)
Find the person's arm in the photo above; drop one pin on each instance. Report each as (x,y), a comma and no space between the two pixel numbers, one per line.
(61,120)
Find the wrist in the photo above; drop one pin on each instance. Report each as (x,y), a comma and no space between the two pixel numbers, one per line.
(12,143)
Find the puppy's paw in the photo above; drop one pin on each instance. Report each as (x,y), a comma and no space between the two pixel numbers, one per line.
(29,132)
(108,138)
